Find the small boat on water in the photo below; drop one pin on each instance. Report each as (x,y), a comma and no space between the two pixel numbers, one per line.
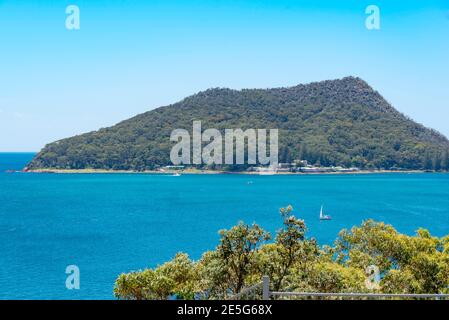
(324,216)
(177,174)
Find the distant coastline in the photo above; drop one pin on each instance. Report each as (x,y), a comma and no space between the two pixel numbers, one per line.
(193,171)
(342,122)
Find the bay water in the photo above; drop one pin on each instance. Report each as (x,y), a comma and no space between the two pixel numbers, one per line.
(107,224)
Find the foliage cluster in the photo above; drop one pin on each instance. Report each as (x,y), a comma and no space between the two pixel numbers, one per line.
(407,264)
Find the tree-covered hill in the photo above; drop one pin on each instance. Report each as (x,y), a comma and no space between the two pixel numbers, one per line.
(335,122)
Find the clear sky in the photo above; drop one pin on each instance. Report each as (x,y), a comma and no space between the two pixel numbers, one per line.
(132,56)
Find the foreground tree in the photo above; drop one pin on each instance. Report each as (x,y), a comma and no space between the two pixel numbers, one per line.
(406,264)
(290,252)
(410,264)
(177,278)
(236,252)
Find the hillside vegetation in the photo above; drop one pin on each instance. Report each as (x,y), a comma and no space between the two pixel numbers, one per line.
(336,122)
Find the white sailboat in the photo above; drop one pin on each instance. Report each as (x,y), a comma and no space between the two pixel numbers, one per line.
(324,216)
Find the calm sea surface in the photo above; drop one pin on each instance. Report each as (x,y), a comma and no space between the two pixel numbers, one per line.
(112,223)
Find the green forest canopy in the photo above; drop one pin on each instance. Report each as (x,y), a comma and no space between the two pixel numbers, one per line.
(407,264)
(337,122)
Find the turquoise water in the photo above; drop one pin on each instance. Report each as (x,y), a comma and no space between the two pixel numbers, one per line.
(108,224)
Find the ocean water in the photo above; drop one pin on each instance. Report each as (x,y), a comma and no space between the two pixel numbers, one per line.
(107,224)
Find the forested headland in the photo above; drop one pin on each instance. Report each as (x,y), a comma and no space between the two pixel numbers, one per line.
(341,122)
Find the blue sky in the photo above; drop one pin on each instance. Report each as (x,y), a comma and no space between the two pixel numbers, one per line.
(132,56)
